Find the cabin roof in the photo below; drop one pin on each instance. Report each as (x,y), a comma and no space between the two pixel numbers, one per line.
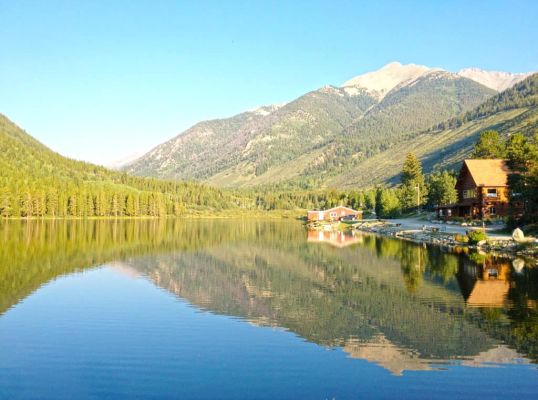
(492,172)
(489,293)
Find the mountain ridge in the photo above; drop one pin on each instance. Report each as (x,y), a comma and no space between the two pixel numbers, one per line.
(496,80)
(322,134)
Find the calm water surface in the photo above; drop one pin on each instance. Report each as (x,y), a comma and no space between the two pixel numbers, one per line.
(250,309)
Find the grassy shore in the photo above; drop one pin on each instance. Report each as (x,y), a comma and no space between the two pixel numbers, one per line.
(191,214)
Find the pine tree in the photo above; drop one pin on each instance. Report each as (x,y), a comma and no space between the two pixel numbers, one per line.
(413,190)
(130,205)
(412,170)
(522,154)
(489,145)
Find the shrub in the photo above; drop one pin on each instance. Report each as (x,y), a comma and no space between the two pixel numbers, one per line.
(476,236)
(461,238)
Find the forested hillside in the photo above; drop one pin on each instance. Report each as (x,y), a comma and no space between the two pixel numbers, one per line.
(36,181)
(410,108)
(447,143)
(255,141)
(319,136)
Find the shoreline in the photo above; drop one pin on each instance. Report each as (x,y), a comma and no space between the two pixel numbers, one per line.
(439,235)
(502,246)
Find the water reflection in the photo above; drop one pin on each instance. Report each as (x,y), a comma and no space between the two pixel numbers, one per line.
(394,303)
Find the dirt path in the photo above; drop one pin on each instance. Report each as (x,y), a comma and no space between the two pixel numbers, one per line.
(416,223)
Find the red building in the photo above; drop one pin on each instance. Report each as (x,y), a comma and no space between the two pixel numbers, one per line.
(334,214)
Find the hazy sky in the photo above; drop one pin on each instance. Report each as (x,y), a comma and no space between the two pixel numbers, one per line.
(100,80)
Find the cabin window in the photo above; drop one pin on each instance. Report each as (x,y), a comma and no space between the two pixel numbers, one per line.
(469,194)
(492,192)
(333,214)
(492,210)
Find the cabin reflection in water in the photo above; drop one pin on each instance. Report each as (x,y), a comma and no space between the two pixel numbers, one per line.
(486,283)
(336,238)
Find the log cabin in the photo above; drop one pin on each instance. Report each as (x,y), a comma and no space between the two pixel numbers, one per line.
(483,192)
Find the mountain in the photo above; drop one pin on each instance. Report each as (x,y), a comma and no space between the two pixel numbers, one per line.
(382,81)
(255,141)
(445,144)
(37,182)
(319,136)
(495,80)
(411,106)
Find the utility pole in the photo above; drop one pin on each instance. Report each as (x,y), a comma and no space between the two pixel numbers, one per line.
(418,198)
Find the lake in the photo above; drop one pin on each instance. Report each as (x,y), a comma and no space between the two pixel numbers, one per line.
(227,309)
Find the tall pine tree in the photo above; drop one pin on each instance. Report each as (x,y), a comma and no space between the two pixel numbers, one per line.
(413,190)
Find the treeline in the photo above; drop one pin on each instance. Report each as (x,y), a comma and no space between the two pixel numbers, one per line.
(415,191)
(54,198)
(37,182)
(269,199)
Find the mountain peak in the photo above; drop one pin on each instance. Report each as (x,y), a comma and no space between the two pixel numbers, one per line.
(386,78)
(496,80)
(266,110)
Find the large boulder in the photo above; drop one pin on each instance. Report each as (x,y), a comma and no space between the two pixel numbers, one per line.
(518,235)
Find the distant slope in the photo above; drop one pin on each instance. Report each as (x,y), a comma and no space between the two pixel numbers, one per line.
(319,135)
(35,181)
(255,140)
(339,136)
(409,107)
(495,80)
(201,149)
(445,145)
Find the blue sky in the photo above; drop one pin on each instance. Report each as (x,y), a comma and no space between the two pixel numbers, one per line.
(100,80)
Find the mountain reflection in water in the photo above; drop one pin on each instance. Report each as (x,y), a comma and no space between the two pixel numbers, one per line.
(397,304)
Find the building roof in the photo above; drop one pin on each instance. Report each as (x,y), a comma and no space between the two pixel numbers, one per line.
(335,208)
(490,293)
(488,172)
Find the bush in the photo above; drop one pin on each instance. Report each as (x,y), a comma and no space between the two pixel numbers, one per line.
(461,238)
(476,236)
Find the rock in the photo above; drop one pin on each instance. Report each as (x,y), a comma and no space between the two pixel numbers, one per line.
(518,235)
(518,264)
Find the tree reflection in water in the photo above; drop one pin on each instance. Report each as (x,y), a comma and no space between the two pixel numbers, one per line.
(398,304)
